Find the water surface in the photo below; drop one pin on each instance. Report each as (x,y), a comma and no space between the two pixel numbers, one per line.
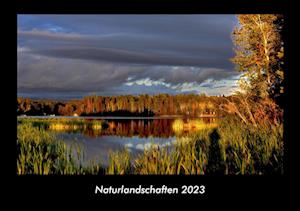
(136,134)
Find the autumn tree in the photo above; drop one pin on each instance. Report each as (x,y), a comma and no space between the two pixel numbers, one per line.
(259,54)
(161,104)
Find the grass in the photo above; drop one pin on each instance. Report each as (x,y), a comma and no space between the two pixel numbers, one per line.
(184,159)
(119,162)
(39,152)
(251,150)
(231,148)
(65,124)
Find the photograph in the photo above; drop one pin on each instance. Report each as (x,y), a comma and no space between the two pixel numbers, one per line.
(150,94)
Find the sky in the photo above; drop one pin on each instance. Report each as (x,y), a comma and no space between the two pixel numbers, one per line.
(70,56)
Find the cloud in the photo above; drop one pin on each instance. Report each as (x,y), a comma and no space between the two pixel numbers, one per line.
(209,86)
(183,40)
(186,73)
(148,82)
(49,35)
(114,54)
(127,49)
(49,74)
(67,75)
(22,49)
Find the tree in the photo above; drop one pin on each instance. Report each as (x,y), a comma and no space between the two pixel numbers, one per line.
(161,104)
(259,54)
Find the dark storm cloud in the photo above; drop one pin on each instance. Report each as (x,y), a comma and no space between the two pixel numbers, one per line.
(50,74)
(172,25)
(88,53)
(133,49)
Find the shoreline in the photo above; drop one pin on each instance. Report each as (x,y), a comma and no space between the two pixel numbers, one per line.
(120,117)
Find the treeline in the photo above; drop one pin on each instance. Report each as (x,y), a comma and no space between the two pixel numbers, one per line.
(126,105)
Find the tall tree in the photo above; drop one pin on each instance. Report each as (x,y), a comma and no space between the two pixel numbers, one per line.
(259,54)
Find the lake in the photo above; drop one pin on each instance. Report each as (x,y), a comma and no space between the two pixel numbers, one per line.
(136,134)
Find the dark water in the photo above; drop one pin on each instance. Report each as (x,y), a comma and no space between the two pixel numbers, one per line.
(136,134)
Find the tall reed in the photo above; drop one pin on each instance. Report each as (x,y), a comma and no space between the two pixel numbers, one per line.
(39,152)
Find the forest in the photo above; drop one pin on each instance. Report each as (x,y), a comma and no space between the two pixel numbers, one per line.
(127,105)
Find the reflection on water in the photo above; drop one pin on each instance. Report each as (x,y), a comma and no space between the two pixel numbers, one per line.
(135,134)
(143,128)
(99,148)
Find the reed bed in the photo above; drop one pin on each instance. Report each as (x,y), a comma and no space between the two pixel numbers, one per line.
(39,152)
(230,148)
